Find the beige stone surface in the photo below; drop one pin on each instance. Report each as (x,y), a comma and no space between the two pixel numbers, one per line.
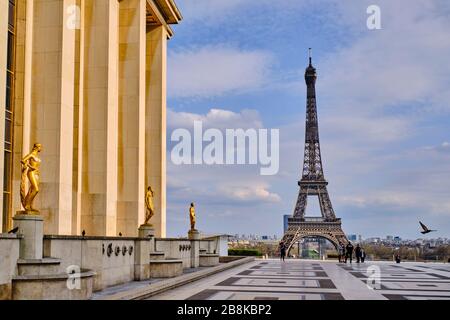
(52,110)
(179,249)
(100,121)
(22,107)
(155,114)
(51,288)
(95,97)
(157,255)
(208,260)
(38,267)
(146,231)
(3,63)
(166,268)
(131,164)
(111,267)
(32,229)
(141,260)
(78,132)
(9,254)
(195,253)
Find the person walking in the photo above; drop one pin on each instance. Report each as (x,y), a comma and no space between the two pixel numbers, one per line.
(282,251)
(358,253)
(341,252)
(349,252)
(363,255)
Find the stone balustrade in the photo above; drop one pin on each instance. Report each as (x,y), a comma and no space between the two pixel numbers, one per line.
(45,271)
(114,260)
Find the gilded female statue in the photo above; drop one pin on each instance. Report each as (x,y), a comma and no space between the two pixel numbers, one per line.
(192,216)
(30,169)
(150,206)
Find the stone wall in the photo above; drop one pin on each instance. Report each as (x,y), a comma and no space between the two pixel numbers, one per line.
(179,249)
(112,259)
(218,244)
(101,262)
(210,246)
(9,253)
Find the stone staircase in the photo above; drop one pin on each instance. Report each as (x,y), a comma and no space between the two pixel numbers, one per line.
(42,279)
(161,267)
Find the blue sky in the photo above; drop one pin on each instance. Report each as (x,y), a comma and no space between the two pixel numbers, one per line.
(383,100)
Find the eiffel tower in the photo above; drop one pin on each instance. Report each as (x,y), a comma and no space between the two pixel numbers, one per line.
(313,182)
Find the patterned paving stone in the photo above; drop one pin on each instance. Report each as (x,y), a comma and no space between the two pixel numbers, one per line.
(327,280)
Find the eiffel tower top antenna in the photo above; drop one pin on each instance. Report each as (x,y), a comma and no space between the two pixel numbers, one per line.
(310,56)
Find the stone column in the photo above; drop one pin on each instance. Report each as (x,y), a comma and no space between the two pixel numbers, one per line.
(3,61)
(52,110)
(100,123)
(78,122)
(131,165)
(23,85)
(155,131)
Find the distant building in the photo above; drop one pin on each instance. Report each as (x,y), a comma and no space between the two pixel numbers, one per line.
(285,222)
(352,237)
(373,240)
(397,239)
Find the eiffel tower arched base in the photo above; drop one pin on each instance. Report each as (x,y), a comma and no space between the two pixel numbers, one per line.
(298,229)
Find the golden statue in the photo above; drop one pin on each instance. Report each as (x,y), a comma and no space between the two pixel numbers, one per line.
(150,207)
(30,169)
(192,216)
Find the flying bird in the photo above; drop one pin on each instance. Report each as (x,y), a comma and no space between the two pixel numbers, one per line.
(14,231)
(425,229)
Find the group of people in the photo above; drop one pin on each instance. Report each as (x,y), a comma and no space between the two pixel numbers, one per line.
(346,253)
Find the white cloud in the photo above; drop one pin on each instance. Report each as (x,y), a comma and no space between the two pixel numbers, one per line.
(251,193)
(215,118)
(443,148)
(216,70)
(220,11)
(393,199)
(368,130)
(403,65)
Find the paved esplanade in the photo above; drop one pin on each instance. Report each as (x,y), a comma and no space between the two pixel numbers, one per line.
(320,280)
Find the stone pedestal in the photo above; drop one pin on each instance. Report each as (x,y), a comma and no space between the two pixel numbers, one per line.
(142,260)
(194,236)
(31,226)
(146,231)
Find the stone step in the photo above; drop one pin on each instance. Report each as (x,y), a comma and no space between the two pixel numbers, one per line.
(208,260)
(38,267)
(53,287)
(157,255)
(168,268)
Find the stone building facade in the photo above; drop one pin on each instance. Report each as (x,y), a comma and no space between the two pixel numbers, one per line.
(87,80)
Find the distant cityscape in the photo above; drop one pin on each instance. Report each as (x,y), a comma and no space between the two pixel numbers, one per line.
(388,240)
